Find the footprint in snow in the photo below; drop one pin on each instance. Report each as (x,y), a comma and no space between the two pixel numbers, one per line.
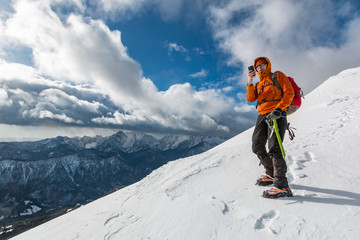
(266,220)
(296,164)
(309,156)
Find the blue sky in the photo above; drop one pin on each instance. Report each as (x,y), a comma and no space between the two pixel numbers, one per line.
(172,52)
(77,67)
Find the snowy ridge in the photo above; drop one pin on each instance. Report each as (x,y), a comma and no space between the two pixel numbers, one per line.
(212,195)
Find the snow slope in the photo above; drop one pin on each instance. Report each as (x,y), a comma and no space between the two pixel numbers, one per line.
(213,196)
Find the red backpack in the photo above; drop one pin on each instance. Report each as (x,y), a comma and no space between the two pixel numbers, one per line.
(296,102)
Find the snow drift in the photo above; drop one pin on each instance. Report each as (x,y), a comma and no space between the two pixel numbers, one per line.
(213,196)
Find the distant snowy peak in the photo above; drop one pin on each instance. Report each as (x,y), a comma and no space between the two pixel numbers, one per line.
(121,141)
(133,142)
(172,142)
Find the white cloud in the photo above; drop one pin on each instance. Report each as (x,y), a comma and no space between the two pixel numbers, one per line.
(244,108)
(176,47)
(227,89)
(83,75)
(4,98)
(302,39)
(169,10)
(63,100)
(181,108)
(202,74)
(122,5)
(62,117)
(116,9)
(25,97)
(76,51)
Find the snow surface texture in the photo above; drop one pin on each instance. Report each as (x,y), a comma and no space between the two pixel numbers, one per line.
(213,196)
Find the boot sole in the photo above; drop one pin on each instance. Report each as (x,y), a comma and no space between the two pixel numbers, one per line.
(278,195)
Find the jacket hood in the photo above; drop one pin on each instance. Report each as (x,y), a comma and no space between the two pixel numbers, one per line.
(267,71)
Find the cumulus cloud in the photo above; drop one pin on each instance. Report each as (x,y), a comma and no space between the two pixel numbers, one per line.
(309,40)
(26,98)
(182,108)
(77,51)
(83,76)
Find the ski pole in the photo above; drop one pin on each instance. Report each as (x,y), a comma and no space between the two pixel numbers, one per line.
(279,138)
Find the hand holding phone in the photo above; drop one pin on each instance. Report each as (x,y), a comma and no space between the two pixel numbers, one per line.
(251,74)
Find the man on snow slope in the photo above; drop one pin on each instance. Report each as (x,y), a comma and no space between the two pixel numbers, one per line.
(271,104)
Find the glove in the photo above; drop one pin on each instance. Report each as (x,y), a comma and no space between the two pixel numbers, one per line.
(274,114)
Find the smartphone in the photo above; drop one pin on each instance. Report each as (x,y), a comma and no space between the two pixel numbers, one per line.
(251,68)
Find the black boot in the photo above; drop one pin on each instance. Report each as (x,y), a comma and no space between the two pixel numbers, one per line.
(268,178)
(280,167)
(267,162)
(281,187)
(281,183)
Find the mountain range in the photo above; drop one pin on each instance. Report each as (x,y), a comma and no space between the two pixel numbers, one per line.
(46,176)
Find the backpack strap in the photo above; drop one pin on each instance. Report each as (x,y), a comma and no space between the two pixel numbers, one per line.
(256,85)
(271,84)
(275,83)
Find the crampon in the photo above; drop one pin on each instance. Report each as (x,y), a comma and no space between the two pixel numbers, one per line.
(277,193)
(264,180)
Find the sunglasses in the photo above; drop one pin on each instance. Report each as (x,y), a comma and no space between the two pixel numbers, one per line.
(260,65)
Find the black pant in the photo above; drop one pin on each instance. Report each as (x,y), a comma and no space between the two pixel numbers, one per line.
(272,160)
(261,136)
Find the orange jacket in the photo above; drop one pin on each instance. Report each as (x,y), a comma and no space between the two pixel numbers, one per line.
(265,90)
